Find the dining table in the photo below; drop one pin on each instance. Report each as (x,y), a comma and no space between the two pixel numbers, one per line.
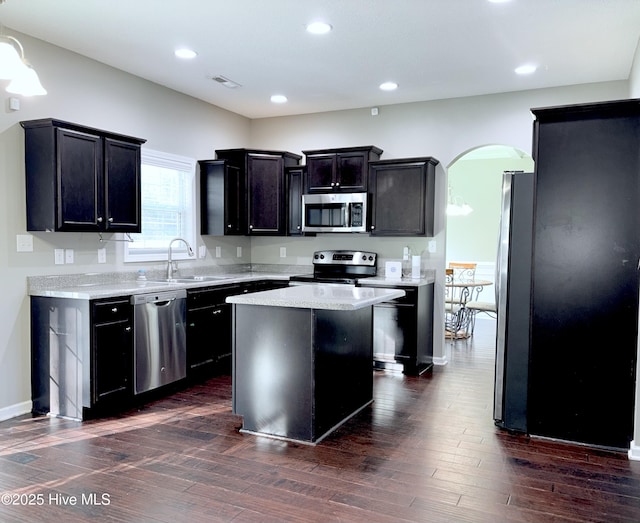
(458,317)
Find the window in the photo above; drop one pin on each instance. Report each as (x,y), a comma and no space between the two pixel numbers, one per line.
(168,207)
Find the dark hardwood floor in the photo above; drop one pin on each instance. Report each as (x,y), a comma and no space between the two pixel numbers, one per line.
(425,451)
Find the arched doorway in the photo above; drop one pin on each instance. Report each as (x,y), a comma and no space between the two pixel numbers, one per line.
(475,179)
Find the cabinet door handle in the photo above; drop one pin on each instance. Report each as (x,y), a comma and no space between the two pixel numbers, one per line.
(333,184)
(127,328)
(99,219)
(114,310)
(250,227)
(110,220)
(229,226)
(373,227)
(337,184)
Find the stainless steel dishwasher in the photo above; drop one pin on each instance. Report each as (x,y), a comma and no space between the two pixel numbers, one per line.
(160,344)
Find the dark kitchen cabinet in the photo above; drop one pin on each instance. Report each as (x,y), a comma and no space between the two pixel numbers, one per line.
(80,179)
(111,351)
(584,304)
(402,196)
(222,194)
(209,331)
(403,331)
(295,187)
(81,352)
(339,170)
(264,177)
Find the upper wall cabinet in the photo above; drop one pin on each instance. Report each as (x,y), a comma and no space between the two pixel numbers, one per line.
(80,179)
(263,173)
(222,194)
(402,196)
(339,170)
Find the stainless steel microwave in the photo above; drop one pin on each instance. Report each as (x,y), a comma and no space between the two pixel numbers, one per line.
(334,212)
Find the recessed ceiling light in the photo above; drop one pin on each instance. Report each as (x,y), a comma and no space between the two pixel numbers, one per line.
(185,53)
(319,28)
(526,69)
(279,99)
(389,86)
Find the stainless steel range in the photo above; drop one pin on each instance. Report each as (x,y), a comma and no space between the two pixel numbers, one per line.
(341,267)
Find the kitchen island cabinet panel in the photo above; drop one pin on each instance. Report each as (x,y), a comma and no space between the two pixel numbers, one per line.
(297,373)
(80,179)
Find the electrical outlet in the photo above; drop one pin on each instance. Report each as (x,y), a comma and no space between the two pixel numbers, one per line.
(238,252)
(58,256)
(202,251)
(432,246)
(102,255)
(24,243)
(68,255)
(218,251)
(283,252)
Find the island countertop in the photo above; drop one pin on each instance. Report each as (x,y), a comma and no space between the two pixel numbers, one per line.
(328,297)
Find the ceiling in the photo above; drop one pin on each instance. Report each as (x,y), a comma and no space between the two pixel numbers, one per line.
(434,49)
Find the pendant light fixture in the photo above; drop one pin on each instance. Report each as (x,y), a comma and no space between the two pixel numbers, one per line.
(456,206)
(14,67)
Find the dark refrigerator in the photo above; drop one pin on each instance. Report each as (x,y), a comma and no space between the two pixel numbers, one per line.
(513,296)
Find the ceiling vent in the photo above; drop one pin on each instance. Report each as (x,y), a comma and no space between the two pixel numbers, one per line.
(225,81)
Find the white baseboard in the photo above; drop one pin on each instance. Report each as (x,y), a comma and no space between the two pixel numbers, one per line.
(634,451)
(442,360)
(15,410)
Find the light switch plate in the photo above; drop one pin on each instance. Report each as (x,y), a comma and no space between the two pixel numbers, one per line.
(238,252)
(68,255)
(283,252)
(202,251)
(102,255)
(218,251)
(58,256)
(24,243)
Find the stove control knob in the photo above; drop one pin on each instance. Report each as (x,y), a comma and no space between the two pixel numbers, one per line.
(322,256)
(315,256)
(370,258)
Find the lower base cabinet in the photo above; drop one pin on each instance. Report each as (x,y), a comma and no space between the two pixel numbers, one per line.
(209,327)
(81,352)
(403,331)
(209,332)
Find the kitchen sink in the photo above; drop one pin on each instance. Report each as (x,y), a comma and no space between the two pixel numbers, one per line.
(189,279)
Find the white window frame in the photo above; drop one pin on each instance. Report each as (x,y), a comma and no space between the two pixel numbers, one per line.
(179,251)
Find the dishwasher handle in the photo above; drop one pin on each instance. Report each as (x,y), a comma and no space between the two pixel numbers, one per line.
(158,298)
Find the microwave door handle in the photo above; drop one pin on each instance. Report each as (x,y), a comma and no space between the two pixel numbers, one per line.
(347,215)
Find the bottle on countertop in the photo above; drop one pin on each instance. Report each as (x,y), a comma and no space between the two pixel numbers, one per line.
(406,262)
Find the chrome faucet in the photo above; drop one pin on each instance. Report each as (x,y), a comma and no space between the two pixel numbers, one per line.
(170,262)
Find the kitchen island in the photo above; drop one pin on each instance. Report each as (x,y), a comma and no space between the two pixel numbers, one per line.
(302,358)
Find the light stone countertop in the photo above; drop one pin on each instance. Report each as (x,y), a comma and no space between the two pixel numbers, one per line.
(381,281)
(90,291)
(329,297)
